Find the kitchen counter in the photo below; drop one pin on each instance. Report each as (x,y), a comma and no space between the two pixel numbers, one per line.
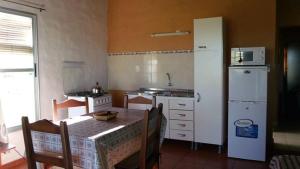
(163,92)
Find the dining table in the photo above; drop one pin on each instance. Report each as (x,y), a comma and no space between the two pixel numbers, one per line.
(99,144)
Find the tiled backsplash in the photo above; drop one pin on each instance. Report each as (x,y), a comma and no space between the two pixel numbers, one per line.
(133,70)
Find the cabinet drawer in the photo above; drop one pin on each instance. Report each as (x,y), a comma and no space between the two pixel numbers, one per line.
(181,104)
(182,135)
(181,125)
(181,115)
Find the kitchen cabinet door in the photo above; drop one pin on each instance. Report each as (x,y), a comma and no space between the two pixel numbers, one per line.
(209,103)
(208,34)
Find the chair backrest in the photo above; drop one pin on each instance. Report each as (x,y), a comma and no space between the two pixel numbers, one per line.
(61,160)
(150,136)
(160,111)
(137,100)
(67,104)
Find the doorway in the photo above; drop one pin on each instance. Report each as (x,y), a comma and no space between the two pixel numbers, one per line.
(287,134)
(18,67)
(289,47)
(292,80)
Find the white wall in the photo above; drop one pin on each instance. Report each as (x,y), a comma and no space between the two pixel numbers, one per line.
(72,30)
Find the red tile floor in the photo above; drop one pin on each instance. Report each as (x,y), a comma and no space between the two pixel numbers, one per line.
(178,155)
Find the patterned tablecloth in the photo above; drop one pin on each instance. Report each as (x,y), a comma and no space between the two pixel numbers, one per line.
(99,144)
(285,162)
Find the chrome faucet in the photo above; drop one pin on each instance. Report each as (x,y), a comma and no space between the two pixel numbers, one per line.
(169,78)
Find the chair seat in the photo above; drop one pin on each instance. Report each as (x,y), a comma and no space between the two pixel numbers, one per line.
(132,162)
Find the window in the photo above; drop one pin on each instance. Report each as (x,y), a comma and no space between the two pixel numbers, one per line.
(17,67)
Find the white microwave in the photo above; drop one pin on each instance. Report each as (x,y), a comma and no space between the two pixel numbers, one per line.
(248,56)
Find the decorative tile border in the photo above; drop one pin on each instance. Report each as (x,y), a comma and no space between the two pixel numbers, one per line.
(151,52)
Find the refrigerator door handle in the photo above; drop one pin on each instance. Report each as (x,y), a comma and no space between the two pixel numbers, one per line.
(247,71)
(199,97)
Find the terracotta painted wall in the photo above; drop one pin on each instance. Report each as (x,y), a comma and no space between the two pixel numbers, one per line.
(130,22)
(248,23)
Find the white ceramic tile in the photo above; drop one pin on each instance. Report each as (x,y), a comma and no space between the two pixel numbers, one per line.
(148,69)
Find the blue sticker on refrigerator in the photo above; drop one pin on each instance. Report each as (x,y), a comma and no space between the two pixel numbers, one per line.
(246,128)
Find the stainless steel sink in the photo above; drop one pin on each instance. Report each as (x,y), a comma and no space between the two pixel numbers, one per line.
(166,92)
(176,94)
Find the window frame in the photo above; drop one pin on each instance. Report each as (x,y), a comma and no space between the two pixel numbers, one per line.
(35,69)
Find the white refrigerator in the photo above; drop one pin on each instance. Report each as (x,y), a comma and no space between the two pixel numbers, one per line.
(247,112)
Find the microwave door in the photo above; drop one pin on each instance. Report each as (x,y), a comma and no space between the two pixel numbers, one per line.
(248,83)
(248,56)
(243,57)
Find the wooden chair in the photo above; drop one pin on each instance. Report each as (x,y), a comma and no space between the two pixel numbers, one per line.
(137,100)
(63,159)
(148,156)
(67,104)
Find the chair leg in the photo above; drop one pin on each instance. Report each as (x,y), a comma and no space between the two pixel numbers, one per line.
(159,158)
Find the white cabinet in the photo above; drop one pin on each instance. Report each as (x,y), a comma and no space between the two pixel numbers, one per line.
(181,115)
(209,81)
(208,34)
(179,112)
(181,104)
(182,135)
(181,125)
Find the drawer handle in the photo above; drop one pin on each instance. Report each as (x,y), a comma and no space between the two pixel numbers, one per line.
(247,71)
(181,104)
(202,47)
(183,115)
(182,125)
(181,135)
